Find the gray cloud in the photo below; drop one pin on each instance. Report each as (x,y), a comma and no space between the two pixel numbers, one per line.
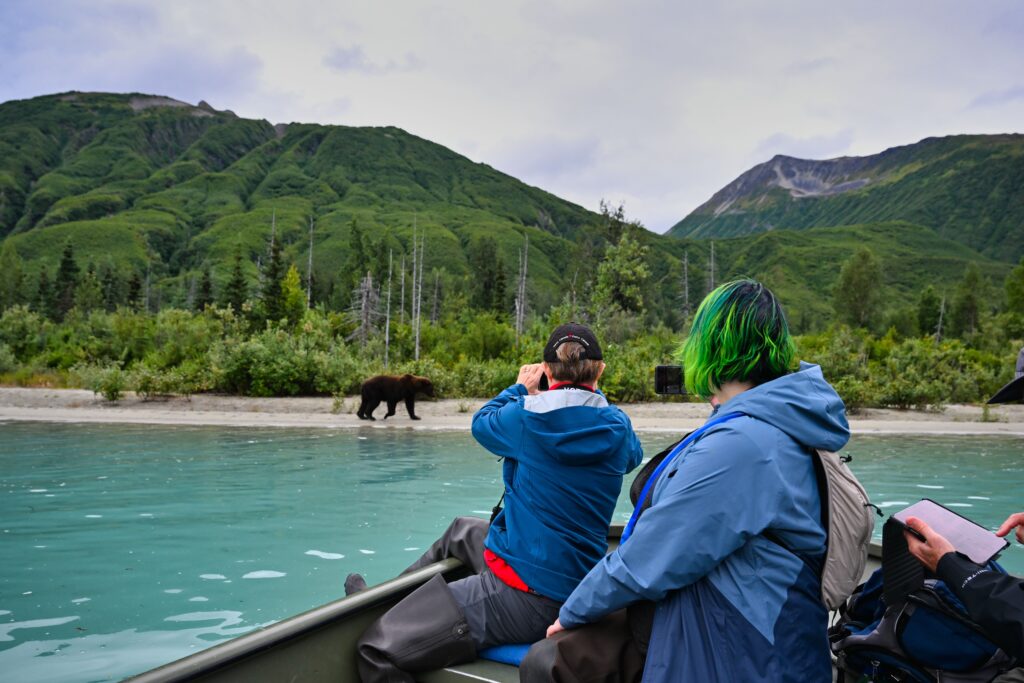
(189,74)
(813,147)
(354,58)
(549,158)
(998,97)
(806,66)
(657,103)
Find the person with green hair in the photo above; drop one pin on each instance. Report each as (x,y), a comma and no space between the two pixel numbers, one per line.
(717,577)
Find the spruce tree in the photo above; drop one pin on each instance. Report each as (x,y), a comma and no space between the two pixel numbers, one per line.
(89,292)
(857,296)
(500,286)
(11,277)
(967,302)
(66,282)
(483,260)
(237,290)
(135,291)
(273,273)
(113,294)
(1014,286)
(204,295)
(928,306)
(622,275)
(358,257)
(44,302)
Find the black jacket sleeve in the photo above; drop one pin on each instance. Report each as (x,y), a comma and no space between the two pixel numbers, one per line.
(994,601)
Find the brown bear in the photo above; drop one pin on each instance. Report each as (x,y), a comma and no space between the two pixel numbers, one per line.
(391,390)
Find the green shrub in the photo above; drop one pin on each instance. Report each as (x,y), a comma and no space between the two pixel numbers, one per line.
(24,331)
(856,394)
(110,381)
(337,372)
(8,362)
(150,383)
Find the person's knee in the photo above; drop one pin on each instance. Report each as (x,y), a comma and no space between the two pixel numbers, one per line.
(539,661)
(469,523)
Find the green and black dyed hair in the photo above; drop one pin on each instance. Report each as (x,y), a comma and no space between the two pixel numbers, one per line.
(739,334)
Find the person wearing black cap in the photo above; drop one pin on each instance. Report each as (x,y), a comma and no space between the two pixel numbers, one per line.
(565,452)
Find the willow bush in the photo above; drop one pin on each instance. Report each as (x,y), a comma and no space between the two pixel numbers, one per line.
(470,354)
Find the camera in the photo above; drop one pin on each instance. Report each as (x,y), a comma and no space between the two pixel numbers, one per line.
(668,380)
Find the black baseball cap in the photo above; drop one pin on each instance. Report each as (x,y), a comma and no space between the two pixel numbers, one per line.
(572,332)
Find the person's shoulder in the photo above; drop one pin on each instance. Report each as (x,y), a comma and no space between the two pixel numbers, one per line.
(741,438)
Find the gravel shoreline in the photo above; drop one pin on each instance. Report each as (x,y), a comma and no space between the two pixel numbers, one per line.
(75,405)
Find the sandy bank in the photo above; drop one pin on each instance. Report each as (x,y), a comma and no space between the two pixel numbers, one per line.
(71,405)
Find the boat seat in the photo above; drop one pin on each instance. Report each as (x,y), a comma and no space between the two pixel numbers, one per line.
(498,664)
(480,670)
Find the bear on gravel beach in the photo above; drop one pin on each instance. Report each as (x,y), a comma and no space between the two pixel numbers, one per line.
(390,389)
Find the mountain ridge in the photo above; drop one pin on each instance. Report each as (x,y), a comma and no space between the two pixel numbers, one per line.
(969,188)
(149,187)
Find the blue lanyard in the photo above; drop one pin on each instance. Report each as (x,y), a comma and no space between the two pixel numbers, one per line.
(651,480)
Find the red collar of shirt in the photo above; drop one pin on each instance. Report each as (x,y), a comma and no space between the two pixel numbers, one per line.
(563,385)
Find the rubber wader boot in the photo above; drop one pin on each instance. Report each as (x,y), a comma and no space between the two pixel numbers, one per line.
(425,631)
(538,665)
(354,583)
(463,540)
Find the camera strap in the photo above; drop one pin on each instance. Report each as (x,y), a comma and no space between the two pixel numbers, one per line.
(649,486)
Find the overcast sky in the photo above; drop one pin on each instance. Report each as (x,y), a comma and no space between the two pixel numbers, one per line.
(656,104)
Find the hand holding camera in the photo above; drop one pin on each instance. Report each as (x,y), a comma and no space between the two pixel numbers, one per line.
(530,376)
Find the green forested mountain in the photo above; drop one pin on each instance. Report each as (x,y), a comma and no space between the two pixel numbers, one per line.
(967,188)
(149,189)
(802,265)
(144,182)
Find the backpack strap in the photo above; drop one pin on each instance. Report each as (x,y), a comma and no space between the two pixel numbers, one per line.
(680,447)
(815,564)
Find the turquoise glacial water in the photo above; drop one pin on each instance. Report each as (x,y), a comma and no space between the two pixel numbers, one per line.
(124,547)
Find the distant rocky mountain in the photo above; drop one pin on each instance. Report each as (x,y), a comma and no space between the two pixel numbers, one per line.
(967,188)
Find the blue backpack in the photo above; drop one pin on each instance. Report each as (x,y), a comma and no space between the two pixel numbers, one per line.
(926,637)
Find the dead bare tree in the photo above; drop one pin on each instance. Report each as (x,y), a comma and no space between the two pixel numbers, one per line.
(401,306)
(413,314)
(524,255)
(686,284)
(711,269)
(418,284)
(437,286)
(572,294)
(309,268)
(387,318)
(366,306)
(149,272)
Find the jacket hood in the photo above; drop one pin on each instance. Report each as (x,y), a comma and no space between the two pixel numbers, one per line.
(575,427)
(801,404)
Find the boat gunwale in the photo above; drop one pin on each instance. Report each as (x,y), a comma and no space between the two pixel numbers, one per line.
(233,650)
(258,641)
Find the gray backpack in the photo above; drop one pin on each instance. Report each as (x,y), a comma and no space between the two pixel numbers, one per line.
(849,520)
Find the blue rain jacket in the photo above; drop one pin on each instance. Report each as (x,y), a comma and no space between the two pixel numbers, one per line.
(565,453)
(732,605)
